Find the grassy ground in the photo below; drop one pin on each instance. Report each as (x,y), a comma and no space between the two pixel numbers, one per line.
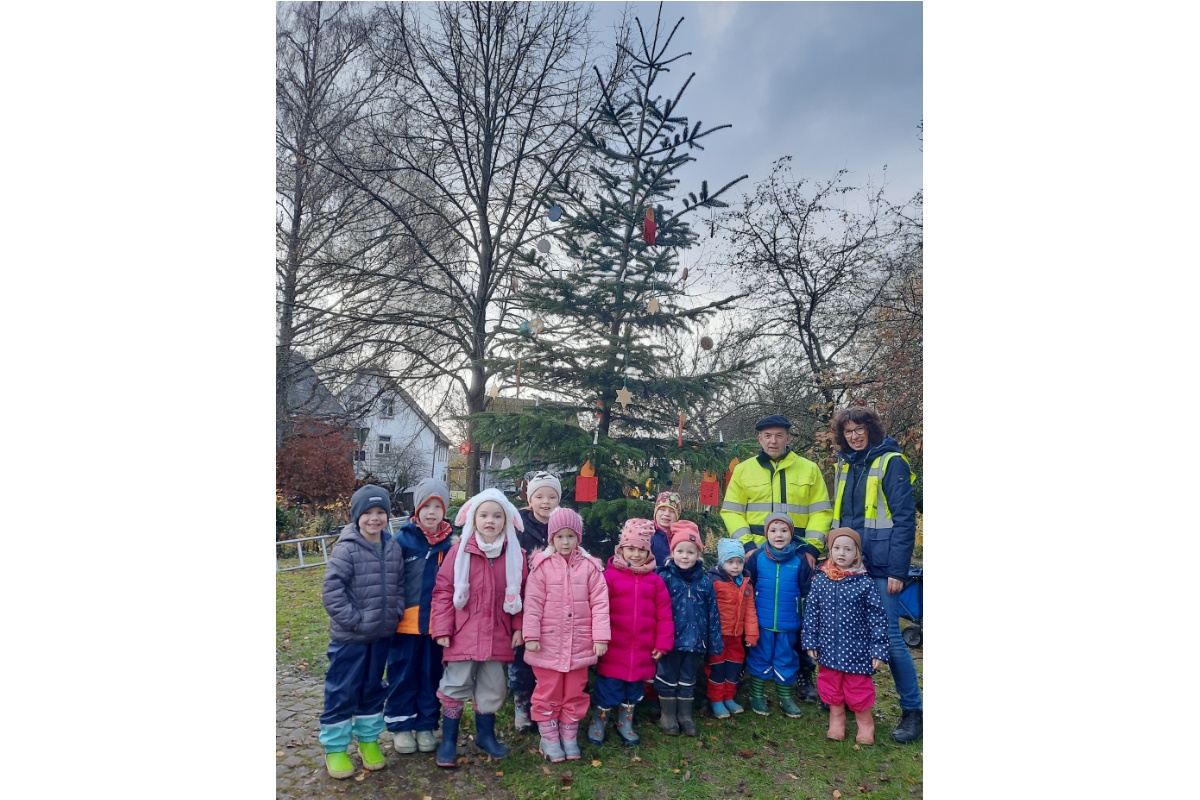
(744,756)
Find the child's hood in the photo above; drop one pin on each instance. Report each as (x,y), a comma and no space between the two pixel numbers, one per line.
(544,555)
(466,514)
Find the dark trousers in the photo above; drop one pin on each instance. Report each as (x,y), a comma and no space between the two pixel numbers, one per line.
(354,684)
(521,679)
(613,692)
(676,676)
(414,670)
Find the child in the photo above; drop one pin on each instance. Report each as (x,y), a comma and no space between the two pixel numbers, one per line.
(845,630)
(566,630)
(362,593)
(414,659)
(697,629)
(544,492)
(781,577)
(666,513)
(477,619)
(642,631)
(735,600)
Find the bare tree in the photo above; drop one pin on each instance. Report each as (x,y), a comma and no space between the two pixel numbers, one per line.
(479,111)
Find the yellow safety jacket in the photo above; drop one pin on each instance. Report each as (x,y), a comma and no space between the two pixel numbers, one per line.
(874,499)
(793,485)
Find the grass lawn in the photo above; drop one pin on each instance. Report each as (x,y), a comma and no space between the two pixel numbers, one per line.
(744,756)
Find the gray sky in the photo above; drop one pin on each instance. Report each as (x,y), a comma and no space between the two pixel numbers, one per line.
(833,84)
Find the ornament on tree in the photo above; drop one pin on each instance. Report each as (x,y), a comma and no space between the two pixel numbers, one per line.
(709,492)
(624,397)
(706,343)
(587,484)
(524,326)
(537,325)
(729,474)
(649,228)
(555,213)
(654,306)
(506,463)
(683,277)
(544,245)
(513,283)
(495,390)
(681,429)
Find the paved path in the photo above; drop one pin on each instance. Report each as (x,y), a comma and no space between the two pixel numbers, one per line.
(300,761)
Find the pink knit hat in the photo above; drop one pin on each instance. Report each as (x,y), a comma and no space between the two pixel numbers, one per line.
(686,531)
(564,518)
(636,533)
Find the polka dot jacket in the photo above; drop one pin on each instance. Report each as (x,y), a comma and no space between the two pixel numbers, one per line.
(845,623)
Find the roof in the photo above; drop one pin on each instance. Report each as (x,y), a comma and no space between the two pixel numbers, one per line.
(390,384)
(307,394)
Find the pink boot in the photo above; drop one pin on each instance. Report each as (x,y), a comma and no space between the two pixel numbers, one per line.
(866,727)
(550,746)
(837,723)
(569,731)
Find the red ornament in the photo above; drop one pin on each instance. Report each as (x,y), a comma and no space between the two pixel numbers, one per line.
(709,491)
(648,227)
(587,485)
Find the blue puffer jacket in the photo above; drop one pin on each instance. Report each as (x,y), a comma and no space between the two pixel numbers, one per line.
(779,587)
(845,623)
(363,590)
(421,564)
(693,609)
(886,551)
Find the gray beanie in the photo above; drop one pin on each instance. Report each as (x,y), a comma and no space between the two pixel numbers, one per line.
(540,479)
(368,497)
(778,515)
(428,489)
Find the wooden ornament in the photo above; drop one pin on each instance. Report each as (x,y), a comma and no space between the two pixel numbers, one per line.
(587,484)
(649,228)
(706,343)
(653,307)
(624,397)
(729,475)
(709,491)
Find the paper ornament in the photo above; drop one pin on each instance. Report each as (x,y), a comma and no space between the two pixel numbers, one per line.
(587,484)
(537,325)
(506,463)
(706,343)
(624,397)
(709,491)
(524,326)
(495,391)
(653,307)
(681,429)
(555,213)
(649,229)
(544,245)
(513,283)
(729,475)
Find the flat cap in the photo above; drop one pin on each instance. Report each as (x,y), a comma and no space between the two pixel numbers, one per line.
(773,421)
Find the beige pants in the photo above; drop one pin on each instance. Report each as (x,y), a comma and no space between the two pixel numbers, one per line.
(483,682)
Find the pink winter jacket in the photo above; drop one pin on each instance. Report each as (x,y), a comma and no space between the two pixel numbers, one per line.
(481,631)
(566,610)
(641,611)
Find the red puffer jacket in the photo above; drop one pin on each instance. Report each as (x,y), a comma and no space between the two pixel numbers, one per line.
(640,607)
(481,631)
(566,610)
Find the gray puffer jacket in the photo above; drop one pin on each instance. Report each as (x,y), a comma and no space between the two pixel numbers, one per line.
(363,591)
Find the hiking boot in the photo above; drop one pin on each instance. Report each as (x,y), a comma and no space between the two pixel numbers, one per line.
(837,723)
(719,710)
(485,736)
(625,725)
(339,765)
(447,754)
(426,741)
(595,733)
(404,742)
(550,746)
(786,703)
(909,729)
(866,727)
(733,707)
(758,703)
(687,726)
(372,757)
(668,721)
(806,686)
(569,735)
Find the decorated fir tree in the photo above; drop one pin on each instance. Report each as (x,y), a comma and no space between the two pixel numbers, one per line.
(595,313)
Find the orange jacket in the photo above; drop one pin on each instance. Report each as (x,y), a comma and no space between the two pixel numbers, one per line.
(736,605)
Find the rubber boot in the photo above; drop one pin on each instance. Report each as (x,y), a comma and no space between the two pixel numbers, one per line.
(668,721)
(806,685)
(595,733)
(372,757)
(866,727)
(837,723)
(485,736)
(550,746)
(339,765)
(687,725)
(404,742)
(569,735)
(909,729)
(758,703)
(521,719)
(625,725)
(733,707)
(786,703)
(719,710)
(447,753)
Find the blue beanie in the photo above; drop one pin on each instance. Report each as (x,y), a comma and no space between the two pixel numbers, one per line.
(368,497)
(729,548)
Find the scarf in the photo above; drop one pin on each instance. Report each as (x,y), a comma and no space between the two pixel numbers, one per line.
(783,554)
(688,575)
(620,563)
(836,573)
(513,556)
(444,529)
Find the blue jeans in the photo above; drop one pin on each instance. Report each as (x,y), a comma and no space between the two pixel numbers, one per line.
(900,662)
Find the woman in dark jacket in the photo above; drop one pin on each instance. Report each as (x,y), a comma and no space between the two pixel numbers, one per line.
(872,493)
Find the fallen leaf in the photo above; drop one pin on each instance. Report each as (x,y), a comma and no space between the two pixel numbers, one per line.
(675,771)
(862,788)
(746,753)
(500,774)
(856,747)
(545,769)
(836,794)
(426,797)
(278,753)
(793,777)
(595,762)
(910,780)
(360,776)
(637,758)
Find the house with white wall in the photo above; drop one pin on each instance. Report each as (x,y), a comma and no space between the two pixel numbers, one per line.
(400,443)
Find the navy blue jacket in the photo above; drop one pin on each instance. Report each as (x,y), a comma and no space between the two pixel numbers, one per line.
(845,623)
(660,546)
(886,551)
(363,589)
(694,610)
(421,563)
(534,537)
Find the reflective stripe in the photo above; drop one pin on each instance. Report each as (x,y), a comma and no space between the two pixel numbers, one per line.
(871,522)
(767,507)
(823,505)
(740,532)
(737,508)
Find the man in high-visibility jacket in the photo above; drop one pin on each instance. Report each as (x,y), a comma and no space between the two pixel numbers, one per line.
(777,480)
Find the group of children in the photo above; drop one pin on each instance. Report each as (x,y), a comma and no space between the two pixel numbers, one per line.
(516,603)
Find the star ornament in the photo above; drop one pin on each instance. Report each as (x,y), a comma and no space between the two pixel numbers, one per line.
(624,397)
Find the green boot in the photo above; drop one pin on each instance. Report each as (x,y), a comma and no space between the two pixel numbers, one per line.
(339,765)
(786,703)
(758,703)
(372,757)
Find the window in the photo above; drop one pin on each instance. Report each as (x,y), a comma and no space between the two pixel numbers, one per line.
(389,407)
(385,445)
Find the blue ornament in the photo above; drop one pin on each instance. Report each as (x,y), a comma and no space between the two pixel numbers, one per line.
(555,213)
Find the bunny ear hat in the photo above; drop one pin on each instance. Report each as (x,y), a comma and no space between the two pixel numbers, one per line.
(513,557)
